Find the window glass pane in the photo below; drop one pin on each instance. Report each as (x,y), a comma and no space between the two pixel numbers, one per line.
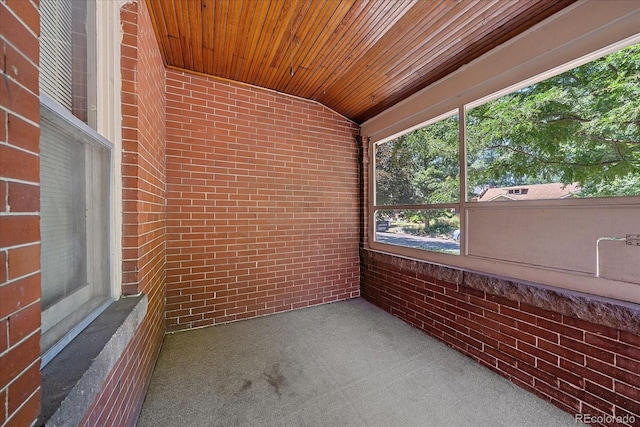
(573,135)
(74,225)
(420,167)
(435,230)
(63,215)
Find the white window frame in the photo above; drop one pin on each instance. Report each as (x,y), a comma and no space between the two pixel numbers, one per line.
(576,35)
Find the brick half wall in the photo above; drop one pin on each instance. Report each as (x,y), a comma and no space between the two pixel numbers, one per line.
(262,203)
(580,353)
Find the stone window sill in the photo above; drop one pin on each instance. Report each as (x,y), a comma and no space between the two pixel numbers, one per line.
(73,379)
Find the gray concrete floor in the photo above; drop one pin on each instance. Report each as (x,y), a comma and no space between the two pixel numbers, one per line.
(342,364)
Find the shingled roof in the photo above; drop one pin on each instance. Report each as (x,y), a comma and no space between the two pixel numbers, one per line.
(555,190)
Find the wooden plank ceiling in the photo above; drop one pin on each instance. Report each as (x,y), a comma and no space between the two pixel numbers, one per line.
(358,57)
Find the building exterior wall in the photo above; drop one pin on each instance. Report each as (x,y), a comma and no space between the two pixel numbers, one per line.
(144,214)
(578,352)
(262,200)
(19,213)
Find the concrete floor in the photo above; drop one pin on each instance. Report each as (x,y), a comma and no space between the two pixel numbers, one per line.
(343,364)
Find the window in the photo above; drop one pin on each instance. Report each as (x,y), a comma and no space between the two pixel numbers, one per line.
(576,132)
(68,56)
(75,177)
(558,149)
(417,181)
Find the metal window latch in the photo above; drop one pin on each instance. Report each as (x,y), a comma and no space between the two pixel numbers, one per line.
(633,239)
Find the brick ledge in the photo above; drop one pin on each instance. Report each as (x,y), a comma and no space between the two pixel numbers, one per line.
(598,310)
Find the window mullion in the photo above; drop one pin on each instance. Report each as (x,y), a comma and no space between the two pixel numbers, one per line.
(462,135)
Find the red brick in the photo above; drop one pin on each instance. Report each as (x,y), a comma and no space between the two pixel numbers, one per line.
(629,338)
(538,353)
(612,346)
(3,128)
(18,34)
(539,332)
(17,230)
(516,373)
(18,294)
(23,134)
(4,336)
(23,197)
(613,371)
(630,392)
(562,374)
(18,100)
(590,373)
(517,354)
(24,260)
(558,395)
(587,350)
(27,414)
(561,329)
(23,387)
(27,13)
(19,358)
(616,398)
(517,314)
(3,266)
(18,164)
(23,323)
(19,68)
(595,410)
(628,364)
(591,327)
(503,301)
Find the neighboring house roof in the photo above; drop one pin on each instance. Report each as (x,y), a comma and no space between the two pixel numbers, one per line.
(555,190)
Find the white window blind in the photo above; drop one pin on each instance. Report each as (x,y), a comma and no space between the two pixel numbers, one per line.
(56,50)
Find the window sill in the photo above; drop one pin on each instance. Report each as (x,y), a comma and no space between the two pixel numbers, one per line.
(73,379)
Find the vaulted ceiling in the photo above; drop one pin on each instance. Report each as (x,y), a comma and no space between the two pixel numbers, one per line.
(357,57)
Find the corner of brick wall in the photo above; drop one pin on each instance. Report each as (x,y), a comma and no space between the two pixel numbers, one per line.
(580,353)
(262,196)
(144,216)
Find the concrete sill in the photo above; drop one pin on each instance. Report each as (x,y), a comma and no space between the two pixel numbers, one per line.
(73,379)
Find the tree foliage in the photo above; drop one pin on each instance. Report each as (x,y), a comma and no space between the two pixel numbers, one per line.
(421,167)
(581,126)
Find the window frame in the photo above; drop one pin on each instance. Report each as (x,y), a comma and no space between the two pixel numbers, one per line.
(104,117)
(61,117)
(424,206)
(530,62)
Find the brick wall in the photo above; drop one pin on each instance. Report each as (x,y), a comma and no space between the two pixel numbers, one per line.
(143,153)
(144,214)
(580,353)
(19,214)
(262,203)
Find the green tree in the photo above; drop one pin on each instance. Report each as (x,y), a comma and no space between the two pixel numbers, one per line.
(421,167)
(580,126)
